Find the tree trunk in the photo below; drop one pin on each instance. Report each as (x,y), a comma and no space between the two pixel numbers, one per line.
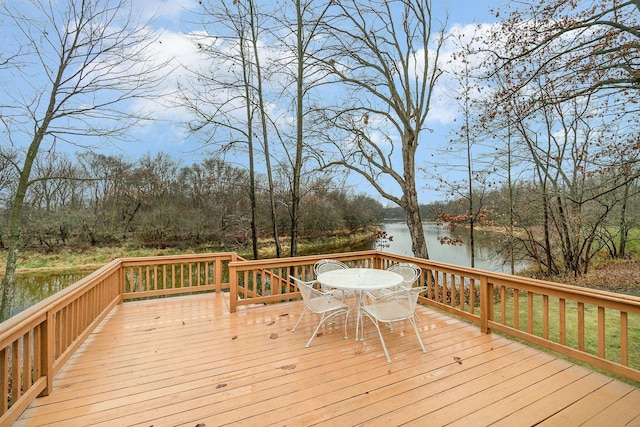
(414,222)
(265,132)
(297,165)
(252,175)
(623,228)
(511,216)
(14,229)
(410,199)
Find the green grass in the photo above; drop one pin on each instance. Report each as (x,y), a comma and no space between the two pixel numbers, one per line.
(633,244)
(612,326)
(63,258)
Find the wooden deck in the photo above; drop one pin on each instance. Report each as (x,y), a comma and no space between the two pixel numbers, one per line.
(187,361)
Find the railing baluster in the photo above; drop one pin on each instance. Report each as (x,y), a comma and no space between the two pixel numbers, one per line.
(516,309)
(601,332)
(530,319)
(16,366)
(545,317)
(4,379)
(453,291)
(562,319)
(624,339)
(503,305)
(164,276)
(581,326)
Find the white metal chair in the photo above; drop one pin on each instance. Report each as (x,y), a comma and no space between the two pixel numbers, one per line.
(409,272)
(324,303)
(325,265)
(392,307)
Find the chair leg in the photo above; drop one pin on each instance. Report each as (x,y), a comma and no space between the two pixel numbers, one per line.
(415,328)
(304,310)
(313,335)
(346,320)
(384,346)
(359,303)
(325,318)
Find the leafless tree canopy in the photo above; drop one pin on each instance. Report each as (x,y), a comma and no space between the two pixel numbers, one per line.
(78,68)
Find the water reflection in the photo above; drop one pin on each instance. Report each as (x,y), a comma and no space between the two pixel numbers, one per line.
(31,288)
(488,246)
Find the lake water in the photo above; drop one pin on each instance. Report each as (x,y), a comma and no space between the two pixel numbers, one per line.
(488,246)
(32,288)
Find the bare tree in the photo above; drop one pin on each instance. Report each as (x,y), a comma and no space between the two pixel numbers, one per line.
(256,28)
(235,46)
(386,55)
(80,65)
(223,98)
(300,39)
(467,142)
(568,71)
(589,46)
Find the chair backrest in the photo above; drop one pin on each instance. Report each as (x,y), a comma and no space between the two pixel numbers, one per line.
(396,305)
(306,289)
(413,295)
(409,272)
(325,265)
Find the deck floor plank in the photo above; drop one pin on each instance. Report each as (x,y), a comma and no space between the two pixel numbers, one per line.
(595,402)
(187,360)
(378,401)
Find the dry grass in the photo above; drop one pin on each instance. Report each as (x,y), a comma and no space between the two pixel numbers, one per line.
(616,276)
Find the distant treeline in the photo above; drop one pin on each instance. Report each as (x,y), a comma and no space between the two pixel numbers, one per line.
(94,199)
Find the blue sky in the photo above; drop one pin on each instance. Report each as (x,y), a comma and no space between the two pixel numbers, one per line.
(462,14)
(168,134)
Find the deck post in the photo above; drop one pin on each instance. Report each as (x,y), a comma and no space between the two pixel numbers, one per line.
(217,274)
(233,287)
(121,283)
(486,304)
(46,354)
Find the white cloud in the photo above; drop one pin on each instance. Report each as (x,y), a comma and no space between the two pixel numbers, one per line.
(444,107)
(167,13)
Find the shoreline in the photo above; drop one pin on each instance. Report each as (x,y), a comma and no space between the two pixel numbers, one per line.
(80,260)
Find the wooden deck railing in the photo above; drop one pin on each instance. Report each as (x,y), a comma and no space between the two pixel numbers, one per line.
(267,281)
(146,277)
(36,343)
(550,315)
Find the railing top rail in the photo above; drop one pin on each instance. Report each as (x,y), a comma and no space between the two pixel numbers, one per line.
(61,297)
(495,277)
(507,279)
(128,261)
(304,259)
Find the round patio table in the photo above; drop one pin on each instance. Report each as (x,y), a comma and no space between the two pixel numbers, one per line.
(359,280)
